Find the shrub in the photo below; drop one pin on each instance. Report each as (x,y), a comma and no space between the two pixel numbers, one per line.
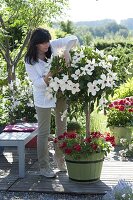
(124,90)
(128,148)
(73,126)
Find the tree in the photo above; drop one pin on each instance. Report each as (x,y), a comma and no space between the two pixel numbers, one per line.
(64,28)
(67,27)
(23,16)
(84,35)
(123,32)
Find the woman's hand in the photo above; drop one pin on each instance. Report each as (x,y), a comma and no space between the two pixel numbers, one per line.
(47,78)
(67,57)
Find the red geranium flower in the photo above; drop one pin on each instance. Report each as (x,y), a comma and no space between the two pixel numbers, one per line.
(77,147)
(68,151)
(71,135)
(63,145)
(94,146)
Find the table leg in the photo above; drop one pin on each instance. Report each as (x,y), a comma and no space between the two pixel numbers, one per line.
(21,154)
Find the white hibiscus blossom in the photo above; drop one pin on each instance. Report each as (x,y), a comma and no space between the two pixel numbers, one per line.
(93,88)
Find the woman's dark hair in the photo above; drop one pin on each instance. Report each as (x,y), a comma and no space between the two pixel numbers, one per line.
(38,36)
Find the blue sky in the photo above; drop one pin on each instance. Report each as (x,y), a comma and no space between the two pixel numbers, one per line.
(89,10)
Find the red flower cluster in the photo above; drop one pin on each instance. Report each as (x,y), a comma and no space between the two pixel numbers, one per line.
(77,146)
(110,139)
(123,104)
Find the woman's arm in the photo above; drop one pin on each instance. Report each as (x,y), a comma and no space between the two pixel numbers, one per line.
(67,57)
(37,80)
(47,78)
(64,44)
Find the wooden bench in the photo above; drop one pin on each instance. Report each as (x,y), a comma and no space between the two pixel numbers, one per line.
(18,139)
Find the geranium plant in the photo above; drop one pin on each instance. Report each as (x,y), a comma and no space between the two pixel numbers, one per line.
(121,112)
(78,147)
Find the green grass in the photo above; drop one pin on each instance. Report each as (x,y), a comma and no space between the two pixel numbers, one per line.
(98,121)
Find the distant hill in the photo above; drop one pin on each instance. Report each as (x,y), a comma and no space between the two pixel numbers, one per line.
(94,23)
(128,23)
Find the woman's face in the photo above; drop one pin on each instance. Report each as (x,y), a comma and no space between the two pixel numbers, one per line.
(43,47)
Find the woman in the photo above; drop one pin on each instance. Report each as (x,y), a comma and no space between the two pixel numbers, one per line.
(39,53)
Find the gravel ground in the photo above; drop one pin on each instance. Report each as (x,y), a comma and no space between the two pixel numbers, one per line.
(43,196)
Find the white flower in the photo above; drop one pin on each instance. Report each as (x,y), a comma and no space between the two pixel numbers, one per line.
(49,93)
(131,147)
(55,79)
(112,75)
(123,140)
(30,104)
(75,88)
(64,114)
(105,81)
(54,85)
(4,89)
(77,72)
(103,101)
(74,65)
(75,77)
(93,88)
(77,57)
(105,65)
(11,85)
(111,58)
(101,53)
(58,52)
(87,69)
(69,85)
(65,77)
(63,87)
(122,153)
(17,82)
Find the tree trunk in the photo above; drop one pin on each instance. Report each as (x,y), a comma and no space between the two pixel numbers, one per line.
(87,114)
(11,73)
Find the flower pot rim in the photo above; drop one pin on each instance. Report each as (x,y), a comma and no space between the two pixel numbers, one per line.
(101,154)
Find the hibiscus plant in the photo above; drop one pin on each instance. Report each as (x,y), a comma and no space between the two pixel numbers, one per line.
(89,77)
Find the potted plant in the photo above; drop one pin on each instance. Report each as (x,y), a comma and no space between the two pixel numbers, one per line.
(89,76)
(84,155)
(127,150)
(120,118)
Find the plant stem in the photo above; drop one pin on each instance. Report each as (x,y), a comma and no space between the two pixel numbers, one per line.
(87,114)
